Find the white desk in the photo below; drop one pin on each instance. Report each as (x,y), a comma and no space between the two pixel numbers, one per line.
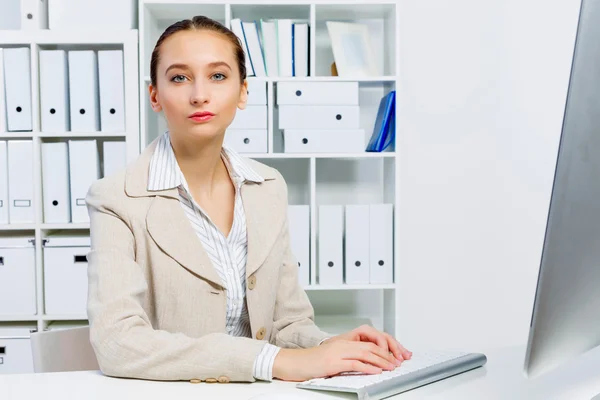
(500,378)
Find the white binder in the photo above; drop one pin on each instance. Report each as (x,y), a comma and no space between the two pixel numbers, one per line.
(300,33)
(55,183)
(34,15)
(83,91)
(252,117)
(381,239)
(356,245)
(10,17)
(112,90)
(54,91)
(115,157)
(324,140)
(285,49)
(247,140)
(17,84)
(3,126)
(299,226)
(331,226)
(84,170)
(236,28)
(17,274)
(3,183)
(20,182)
(319,117)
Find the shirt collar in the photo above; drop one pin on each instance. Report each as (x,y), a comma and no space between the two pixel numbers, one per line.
(164,172)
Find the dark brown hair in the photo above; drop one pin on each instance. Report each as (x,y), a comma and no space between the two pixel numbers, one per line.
(199,23)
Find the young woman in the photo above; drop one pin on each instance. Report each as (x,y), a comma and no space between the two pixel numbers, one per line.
(190,271)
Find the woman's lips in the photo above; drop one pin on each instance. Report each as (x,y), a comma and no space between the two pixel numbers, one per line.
(201,116)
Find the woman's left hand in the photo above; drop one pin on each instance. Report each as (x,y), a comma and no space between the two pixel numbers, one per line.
(366,333)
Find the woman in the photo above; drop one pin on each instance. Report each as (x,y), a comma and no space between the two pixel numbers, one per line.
(190,271)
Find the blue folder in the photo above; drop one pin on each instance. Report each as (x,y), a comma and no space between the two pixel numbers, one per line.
(385,124)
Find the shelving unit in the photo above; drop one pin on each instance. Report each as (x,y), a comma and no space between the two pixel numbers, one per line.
(313,178)
(49,40)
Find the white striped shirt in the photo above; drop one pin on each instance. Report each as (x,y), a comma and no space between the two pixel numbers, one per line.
(228,254)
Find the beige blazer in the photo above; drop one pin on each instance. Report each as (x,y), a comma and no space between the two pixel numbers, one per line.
(157,306)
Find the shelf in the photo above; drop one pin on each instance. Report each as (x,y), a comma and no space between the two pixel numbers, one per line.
(16,135)
(69,226)
(18,318)
(321,155)
(315,78)
(64,317)
(68,135)
(366,286)
(50,37)
(17,227)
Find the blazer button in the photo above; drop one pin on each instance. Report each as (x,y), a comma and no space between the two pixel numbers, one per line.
(251,282)
(260,335)
(223,379)
(211,380)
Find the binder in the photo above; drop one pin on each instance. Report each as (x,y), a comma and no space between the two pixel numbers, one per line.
(319,117)
(34,14)
(385,124)
(112,90)
(381,243)
(20,182)
(55,183)
(299,226)
(3,183)
(10,17)
(236,27)
(356,245)
(3,126)
(54,91)
(323,140)
(330,239)
(115,157)
(300,48)
(17,84)
(254,48)
(83,91)
(84,170)
(268,31)
(284,46)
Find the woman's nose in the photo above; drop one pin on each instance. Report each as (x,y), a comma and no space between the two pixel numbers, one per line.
(199,94)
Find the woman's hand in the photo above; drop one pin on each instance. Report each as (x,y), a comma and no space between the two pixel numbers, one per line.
(366,333)
(331,358)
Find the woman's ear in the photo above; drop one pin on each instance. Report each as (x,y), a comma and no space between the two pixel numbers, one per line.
(154,98)
(243,95)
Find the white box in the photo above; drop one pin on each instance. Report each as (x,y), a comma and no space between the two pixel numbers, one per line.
(252,117)
(324,141)
(15,350)
(319,117)
(115,157)
(10,17)
(317,93)
(54,91)
(17,84)
(34,14)
(299,226)
(381,239)
(55,183)
(3,183)
(257,92)
(83,91)
(3,126)
(112,90)
(65,275)
(330,239)
(20,182)
(74,15)
(84,170)
(247,140)
(17,275)
(356,244)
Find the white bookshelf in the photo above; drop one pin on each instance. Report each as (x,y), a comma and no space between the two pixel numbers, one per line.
(38,40)
(314,178)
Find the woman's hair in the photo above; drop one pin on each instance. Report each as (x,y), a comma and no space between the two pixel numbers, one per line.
(199,23)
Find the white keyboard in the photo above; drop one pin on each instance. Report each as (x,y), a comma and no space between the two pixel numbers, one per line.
(421,369)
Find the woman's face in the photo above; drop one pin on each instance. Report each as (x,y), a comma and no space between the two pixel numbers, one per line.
(198,84)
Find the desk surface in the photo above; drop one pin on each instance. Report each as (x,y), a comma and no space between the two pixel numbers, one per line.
(500,378)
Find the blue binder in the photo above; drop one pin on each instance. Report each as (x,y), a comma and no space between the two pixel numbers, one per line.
(385,124)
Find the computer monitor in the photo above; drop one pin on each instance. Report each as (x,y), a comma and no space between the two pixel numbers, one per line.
(566,313)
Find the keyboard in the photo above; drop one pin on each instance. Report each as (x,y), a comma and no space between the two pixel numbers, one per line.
(421,369)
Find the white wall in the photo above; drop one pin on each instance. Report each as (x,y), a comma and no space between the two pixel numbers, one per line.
(482,97)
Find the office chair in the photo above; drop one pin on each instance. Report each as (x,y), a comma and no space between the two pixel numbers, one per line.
(63,350)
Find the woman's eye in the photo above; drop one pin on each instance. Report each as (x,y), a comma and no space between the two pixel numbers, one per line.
(178,78)
(218,76)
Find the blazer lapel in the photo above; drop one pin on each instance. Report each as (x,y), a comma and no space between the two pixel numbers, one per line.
(264,220)
(171,230)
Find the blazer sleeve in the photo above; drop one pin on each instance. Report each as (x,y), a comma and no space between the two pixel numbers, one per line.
(123,338)
(293,318)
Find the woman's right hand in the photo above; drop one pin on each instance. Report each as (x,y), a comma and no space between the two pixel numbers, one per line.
(330,359)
